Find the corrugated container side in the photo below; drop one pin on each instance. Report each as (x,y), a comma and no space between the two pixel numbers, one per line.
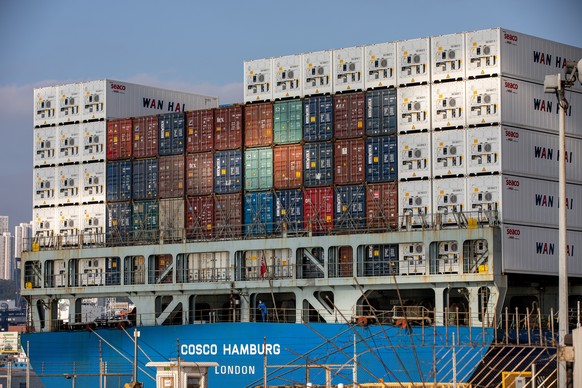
(448,105)
(382,206)
(171,129)
(258,81)
(69,146)
(45,145)
(200,130)
(381,159)
(447,57)
(228,170)
(348,115)
(413,58)
(145,137)
(350,208)
(199,217)
(45,106)
(69,184)
(449,199)
(69,103)
(228,215)
(288,215)
(348,69)
(145,179)
(318,118)
(414,156)
(381,115)
(414,109)
(415,202)
(287,76)
(380,260)
(258,124)
(318,166)
(199,172)
(171,219)
(380,65)
(171,176)
(258,173)
(94,182)
(349,161)
(119,221)
(287,121)
(145,217)
(258,214)
(317,74)
(449,153)
(119,181)
(45,187)
(228,128)
(318,209)
(288,166)
(94,140)
(119,139)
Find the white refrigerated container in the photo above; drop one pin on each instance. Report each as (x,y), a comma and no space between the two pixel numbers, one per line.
(415,203)
(69,143)
(414,109)
(447,57)
(45,146)
(94,140)
(287,77)
(449,200)
(449,257)
(317,74)
(45,106)
(380,65)
(45,187)
(448,105)
(448,153)
(414,156)
(93,181)
(258,82)
(70,100)
(412,259)
(413,58)
(69,185)
(348,69)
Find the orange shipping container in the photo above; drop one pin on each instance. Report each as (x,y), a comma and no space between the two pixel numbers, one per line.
(288,166)
(382,205)
(259,124)
(349,160)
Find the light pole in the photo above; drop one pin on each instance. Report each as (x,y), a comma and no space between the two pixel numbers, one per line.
(555,84)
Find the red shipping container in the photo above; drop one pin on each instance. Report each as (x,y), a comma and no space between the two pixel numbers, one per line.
(171,176)
(119,139)
(349,159)
(228,216)
(200,130)
(145,137)
(199,217)
(288,166)
(228,127)
(259,124)
(199,173)
(349,115)
(318,209)
(382,206)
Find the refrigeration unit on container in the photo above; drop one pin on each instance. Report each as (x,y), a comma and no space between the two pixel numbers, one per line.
(119,180)
(44,224)
(448,256)
(415,203)
(119,221)
(484,149)
(69,184)
(348,69)
(349,158)
(448,105)
(447,57)
(144,178)
(318,118)
(258,169)
(45,106)
(502,52)
(413,59)
(348,115)
(258,214)
(228,171)
(199,217)
(228,215)
(258,125)
(199,173)
(228,128)
(350,208)
(94,140)
(380,65)
(258,83)
(318,209)
(94,182)
(70,102)
(318,164)
(68,149)
(381,159)
(414,109)
(382,206)
(381,112)
(171,176)
(448,153)
(484,198)
(412,259)
(287,121)
(414,156)
(93,223)
(171,219)
(200,130)
(171,129)
(288,212)
(287,77)
(45,186)
(119,139)
(45,146)
(449,201)
(68,219)
(288,166)
(317,74)
(145,137)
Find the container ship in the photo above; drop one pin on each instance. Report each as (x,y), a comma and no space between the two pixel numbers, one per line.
(382,214)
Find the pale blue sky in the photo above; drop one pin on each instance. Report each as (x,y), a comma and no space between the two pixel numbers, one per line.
(200,47)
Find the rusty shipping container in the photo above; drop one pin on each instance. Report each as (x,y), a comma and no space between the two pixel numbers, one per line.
(318,209)
(228,215)
(119,139)
(382,206)
(200,130)
(228,127)
(258,124)
(199,169)
(199,217)
(171,176)
(288,166)
(348,115)
(145,137)
(349,159)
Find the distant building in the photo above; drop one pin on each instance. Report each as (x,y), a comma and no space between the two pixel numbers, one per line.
(6,267)
(4,224)
(22,235)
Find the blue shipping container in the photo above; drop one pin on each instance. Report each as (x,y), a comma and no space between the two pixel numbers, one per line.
(381,159)
(380,260)
(381,116)
(350,207)
(288,211)
(318,164)
(119,180)
(118,221)
(171,134)
(145,179)
(318,118)
(258,214)
(228,171)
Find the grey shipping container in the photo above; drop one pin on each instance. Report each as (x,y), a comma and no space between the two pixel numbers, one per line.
(171,176)
(171,219)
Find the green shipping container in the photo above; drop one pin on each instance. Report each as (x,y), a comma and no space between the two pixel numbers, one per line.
(288,121)
(145,219)
(258,169)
